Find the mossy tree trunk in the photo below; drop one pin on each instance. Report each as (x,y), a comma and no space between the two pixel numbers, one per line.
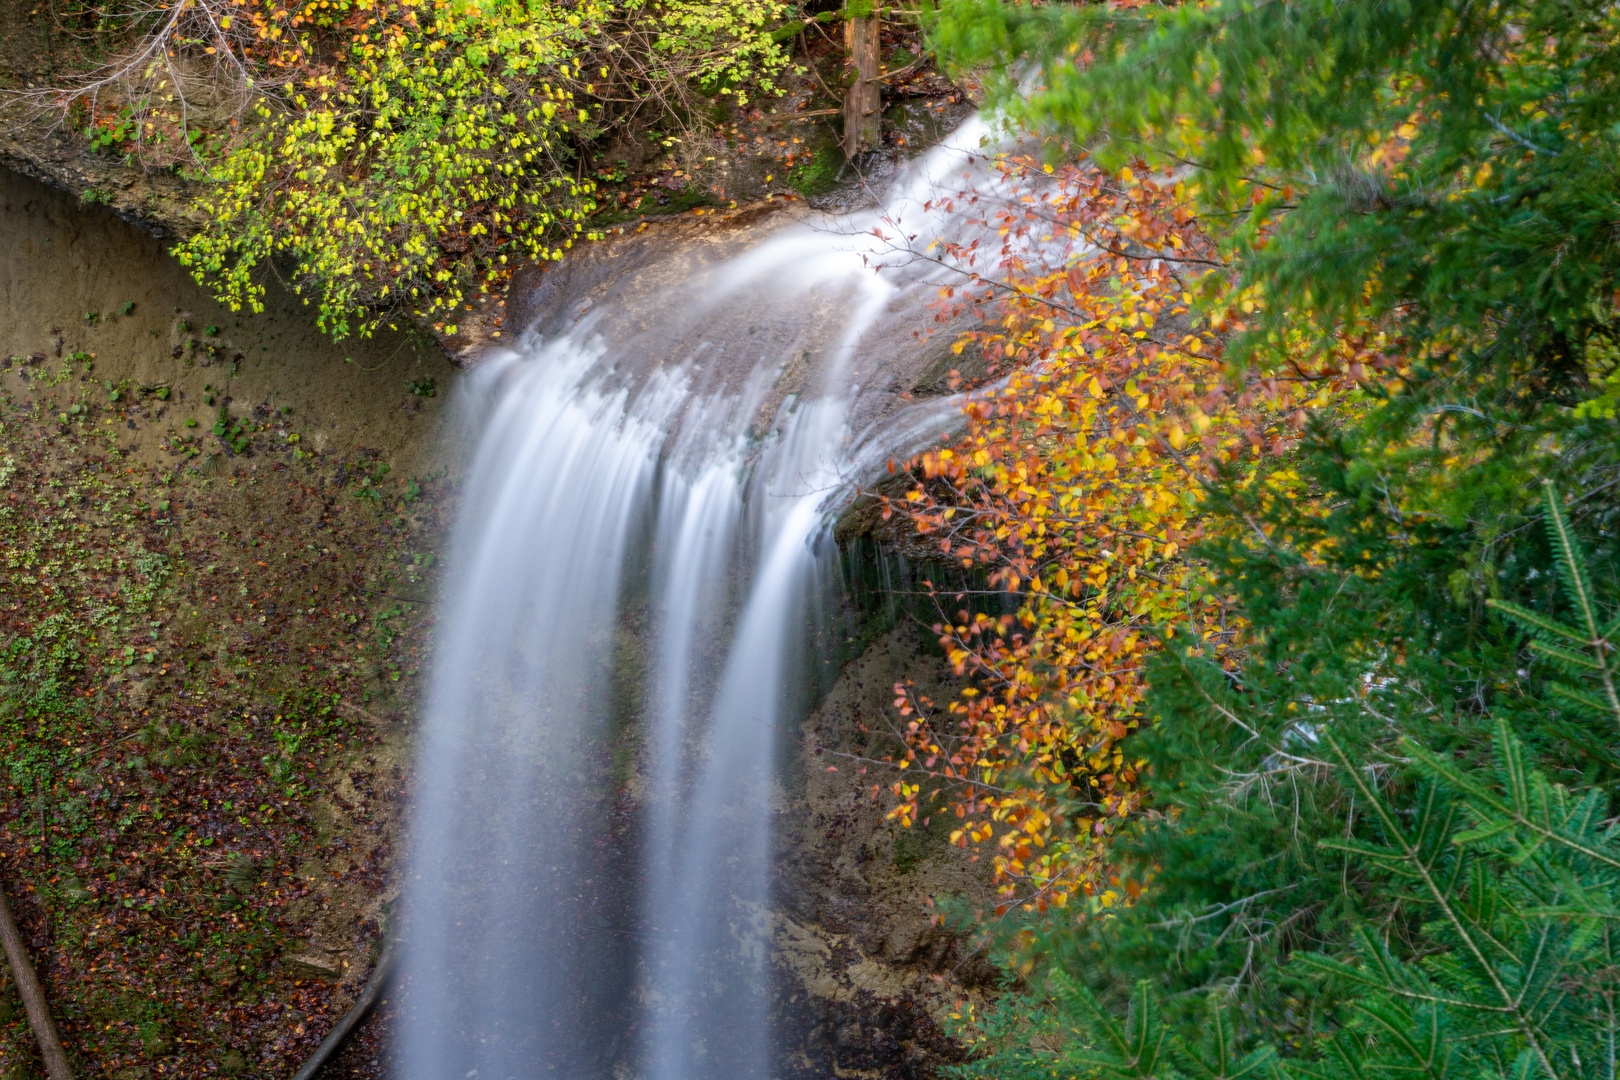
(863,101)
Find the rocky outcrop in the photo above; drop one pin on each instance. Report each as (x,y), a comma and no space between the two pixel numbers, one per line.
(37,141)
(867,974)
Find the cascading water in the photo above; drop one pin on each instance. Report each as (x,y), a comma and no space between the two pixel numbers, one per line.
(643,541)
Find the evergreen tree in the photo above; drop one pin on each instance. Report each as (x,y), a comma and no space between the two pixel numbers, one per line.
(1339,898)
(1378,844)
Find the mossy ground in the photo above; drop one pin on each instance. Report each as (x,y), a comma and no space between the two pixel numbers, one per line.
(195,679)
(210,643)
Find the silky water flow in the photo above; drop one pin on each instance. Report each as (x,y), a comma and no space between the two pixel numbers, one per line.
(637,570)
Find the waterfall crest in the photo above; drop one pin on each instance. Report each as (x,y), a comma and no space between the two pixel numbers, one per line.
(636,573)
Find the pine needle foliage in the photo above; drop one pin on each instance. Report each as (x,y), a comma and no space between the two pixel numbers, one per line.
(1446,909)
(1414,152)
(1580,650)
(1381,838)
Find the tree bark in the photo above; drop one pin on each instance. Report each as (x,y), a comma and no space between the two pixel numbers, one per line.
(33,997)
(863,102)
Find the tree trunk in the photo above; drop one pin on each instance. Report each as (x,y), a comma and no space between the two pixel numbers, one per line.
(33,997)
(863,102)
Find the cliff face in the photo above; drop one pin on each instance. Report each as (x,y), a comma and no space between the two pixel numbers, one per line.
(867,974)
(219,534)
(298,494)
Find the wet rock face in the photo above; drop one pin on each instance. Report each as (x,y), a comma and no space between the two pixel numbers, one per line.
(865,976)
(709,289)
(636,264)
(869,1034)
(75,281)
(46,148)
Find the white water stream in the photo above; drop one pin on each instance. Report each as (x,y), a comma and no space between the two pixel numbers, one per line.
(636,571)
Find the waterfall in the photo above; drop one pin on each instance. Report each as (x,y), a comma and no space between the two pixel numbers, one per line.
(643,545)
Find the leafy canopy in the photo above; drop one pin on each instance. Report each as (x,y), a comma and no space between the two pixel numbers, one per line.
(1373,826)
(1077,486)
(404,155)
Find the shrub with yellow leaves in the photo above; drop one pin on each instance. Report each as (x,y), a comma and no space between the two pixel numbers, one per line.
(1076,487)
(398,155)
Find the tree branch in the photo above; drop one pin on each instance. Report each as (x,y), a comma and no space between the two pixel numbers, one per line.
(33,996)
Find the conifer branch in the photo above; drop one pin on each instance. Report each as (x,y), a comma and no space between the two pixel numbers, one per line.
(1442,899)
(1598,656)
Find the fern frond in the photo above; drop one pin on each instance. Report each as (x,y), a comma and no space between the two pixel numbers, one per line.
(1417,1035)
(1536,810)
(1137,1045)
(1581,697)
(1582,738)
(1147,1033)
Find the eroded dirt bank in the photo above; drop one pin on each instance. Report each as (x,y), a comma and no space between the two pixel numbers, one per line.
(219,534)
(214,626)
